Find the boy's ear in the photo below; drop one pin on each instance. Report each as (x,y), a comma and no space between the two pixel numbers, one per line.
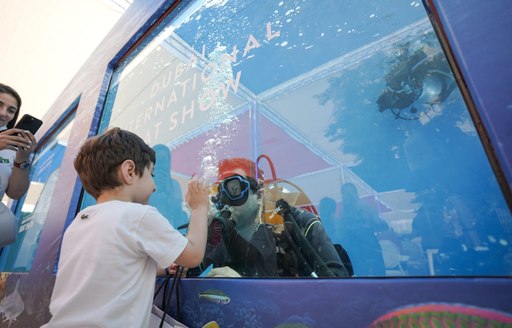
(127,171)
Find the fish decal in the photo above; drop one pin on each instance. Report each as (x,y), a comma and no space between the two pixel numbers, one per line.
(434,315)
(211,324)
(12,305)
(215,296)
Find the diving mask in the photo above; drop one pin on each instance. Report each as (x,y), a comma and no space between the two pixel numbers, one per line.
(233,191)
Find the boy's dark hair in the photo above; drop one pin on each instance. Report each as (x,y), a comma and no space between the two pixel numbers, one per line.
(10,91)
(99,157)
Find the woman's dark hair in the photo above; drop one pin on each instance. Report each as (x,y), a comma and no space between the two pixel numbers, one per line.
(10,91)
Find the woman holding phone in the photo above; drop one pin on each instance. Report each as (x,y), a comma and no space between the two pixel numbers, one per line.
(16,146)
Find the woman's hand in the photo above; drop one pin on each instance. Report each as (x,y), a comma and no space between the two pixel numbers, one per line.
(30,144)
(18,140)
(24,143)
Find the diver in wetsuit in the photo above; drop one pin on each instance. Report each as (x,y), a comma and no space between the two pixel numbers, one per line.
(240,240)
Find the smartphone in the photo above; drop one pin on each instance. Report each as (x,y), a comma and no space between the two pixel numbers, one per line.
(29,123)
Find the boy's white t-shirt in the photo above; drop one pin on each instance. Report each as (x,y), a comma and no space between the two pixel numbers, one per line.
(107,267)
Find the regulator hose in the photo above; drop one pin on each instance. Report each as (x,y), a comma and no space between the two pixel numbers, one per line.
(315,262)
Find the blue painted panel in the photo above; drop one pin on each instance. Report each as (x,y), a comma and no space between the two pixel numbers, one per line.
(354,303)
(480,36)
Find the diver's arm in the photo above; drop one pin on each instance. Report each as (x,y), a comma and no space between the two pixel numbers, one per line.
(323,244)
(320,241)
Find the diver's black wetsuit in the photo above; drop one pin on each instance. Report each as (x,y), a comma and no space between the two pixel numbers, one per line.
(254,258)
(272,255)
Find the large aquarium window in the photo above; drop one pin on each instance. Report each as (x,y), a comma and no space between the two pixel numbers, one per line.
(351,114)
(33,207)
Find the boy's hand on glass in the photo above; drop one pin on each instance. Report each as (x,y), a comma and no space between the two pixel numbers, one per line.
(197,194)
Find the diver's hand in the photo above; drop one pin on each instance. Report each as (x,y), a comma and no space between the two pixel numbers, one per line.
(224,272)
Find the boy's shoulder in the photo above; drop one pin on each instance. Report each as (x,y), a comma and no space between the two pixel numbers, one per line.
(118,207)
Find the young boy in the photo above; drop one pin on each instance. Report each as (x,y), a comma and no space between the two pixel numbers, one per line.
(112,250)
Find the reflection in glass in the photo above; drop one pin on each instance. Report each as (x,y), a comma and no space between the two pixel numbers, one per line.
(168,197)
(36,203)
(356,94)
